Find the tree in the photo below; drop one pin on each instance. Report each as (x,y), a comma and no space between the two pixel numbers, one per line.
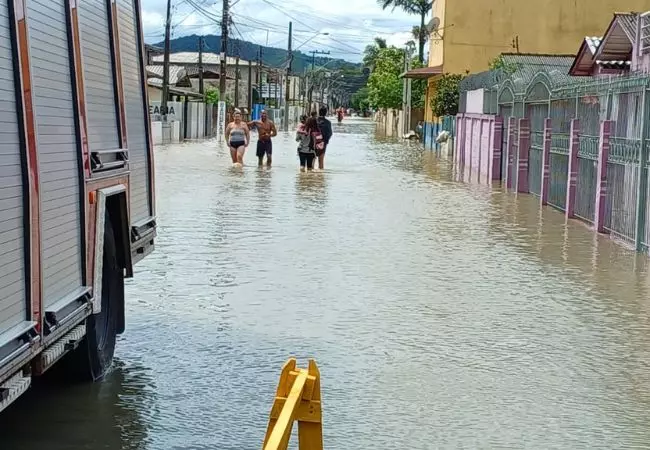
(445,100)
(211,96)
(371,51)
(415,7)
(385,84)
(359,99)
(418,87)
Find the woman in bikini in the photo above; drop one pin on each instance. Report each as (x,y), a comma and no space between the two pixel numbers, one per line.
(237,136)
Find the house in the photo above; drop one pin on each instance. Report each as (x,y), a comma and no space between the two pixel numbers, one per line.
(623,48)
(237,71)
(466,35)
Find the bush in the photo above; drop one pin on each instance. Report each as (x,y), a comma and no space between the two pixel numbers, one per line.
(446,98)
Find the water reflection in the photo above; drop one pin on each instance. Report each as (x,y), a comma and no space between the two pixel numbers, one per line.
(113,414)
(442,314)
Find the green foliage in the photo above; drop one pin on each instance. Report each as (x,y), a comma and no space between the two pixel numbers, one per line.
(359,99)
(499,63)
(445,100)
(415,7)
(384,84)
(418,87)
(371,52)
(211,96)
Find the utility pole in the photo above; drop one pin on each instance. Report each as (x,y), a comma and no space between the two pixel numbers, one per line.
(165,88)
(311,75)
(201,64)
(287,85)
(237,80)
(225,19)
(250,87)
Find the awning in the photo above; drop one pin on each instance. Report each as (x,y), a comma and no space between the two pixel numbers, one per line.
(422,73)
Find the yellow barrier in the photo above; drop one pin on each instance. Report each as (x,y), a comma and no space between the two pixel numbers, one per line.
(296,399)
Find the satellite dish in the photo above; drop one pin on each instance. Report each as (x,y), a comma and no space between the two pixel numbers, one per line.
(433,25)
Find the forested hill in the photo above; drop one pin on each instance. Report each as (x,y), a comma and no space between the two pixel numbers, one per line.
(248,51)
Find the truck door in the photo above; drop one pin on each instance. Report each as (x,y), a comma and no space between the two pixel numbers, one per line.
(13,294)
(59,157)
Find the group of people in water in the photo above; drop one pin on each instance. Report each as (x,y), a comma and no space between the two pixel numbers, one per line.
(312,135)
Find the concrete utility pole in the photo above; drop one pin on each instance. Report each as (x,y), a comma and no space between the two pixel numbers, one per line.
(287,85)
(225,19)
(201,64)
(311,78)
(165,87)
(250,87)
(236,101)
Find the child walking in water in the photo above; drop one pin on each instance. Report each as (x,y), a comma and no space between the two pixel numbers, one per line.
(305,153)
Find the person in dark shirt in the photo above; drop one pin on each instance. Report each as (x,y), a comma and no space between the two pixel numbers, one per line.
(325,127)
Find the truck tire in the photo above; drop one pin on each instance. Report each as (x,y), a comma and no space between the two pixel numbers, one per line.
(94,356)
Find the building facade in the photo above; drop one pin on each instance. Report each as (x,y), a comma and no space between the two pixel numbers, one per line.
(466,34)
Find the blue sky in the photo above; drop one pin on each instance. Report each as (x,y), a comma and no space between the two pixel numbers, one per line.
(265,21)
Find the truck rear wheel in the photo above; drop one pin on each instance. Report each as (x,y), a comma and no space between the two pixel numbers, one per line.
(94,355)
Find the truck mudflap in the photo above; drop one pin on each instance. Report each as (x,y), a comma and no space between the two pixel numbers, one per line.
(142,238)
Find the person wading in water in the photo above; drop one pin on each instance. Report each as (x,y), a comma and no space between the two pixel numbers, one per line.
(325,127)
(306,152)
(266,130)
(237,136)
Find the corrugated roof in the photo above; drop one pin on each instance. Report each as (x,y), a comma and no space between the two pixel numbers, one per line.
(627,21)
(193,58)
(176,73)
(524,66)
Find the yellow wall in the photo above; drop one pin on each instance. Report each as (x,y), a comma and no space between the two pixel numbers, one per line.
(435,39)
(475,31)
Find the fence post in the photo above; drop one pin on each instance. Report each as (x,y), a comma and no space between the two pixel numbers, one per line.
(524,149)
(572,171)
(497,142)
(460,138)
(512,123)
(642,194)
(546,156)
(601,183)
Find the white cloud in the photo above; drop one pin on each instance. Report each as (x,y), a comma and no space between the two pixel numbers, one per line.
(350,28)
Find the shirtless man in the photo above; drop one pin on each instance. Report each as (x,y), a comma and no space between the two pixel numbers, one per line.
(266,130)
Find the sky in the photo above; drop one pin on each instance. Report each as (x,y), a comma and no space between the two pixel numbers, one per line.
(265,22)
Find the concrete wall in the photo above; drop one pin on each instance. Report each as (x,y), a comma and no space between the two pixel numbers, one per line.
(474,101)
(483,29)
(155,94)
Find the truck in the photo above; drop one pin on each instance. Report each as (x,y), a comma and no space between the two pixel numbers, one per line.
(77,206)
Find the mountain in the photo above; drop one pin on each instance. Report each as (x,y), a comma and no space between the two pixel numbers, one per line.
(271,56)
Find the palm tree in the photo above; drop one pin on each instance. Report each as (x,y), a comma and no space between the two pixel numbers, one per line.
(372,51)
(415,7)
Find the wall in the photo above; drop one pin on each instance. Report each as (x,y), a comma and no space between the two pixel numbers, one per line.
(474,101)
(477,31)
(436,49)
(155,94)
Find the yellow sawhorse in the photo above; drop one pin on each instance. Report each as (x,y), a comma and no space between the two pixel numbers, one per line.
(296,399)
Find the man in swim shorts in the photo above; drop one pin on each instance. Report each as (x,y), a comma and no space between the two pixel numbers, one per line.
(266,130)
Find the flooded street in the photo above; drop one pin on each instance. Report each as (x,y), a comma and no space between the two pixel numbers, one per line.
(441,314)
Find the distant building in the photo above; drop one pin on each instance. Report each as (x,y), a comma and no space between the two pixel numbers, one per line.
(184,70)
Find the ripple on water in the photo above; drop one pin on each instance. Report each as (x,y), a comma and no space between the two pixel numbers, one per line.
(442,315)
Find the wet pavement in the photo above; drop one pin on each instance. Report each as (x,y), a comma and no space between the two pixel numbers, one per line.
(442,314)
